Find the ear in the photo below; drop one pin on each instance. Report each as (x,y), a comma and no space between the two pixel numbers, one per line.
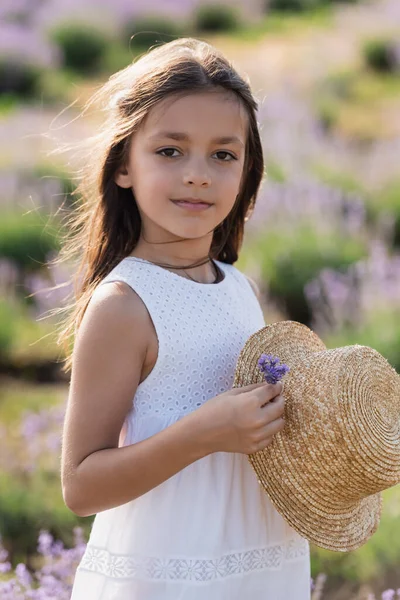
(122,177)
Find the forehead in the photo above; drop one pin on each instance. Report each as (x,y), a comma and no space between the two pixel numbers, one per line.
(212,113)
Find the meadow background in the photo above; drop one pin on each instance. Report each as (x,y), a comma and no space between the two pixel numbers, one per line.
(323,242)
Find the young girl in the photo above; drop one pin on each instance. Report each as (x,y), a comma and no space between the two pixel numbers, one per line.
(155,441)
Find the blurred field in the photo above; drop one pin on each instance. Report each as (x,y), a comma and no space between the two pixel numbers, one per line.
(323,242)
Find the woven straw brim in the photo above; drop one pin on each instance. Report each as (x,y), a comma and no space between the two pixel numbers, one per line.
(323,473)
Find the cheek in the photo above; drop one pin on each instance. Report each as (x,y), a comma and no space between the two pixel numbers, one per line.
(231,181)
(150,178)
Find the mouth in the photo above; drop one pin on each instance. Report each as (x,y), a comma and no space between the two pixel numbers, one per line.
(192,203)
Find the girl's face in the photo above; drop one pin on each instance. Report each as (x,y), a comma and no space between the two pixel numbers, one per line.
(190,147)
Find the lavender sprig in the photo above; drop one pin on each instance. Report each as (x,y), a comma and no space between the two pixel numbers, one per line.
(273,371)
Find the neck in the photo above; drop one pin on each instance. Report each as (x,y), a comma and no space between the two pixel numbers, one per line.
(202,273)
(179,258)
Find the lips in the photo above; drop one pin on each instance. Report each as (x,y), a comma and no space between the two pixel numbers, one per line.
(192,201)
(192,205)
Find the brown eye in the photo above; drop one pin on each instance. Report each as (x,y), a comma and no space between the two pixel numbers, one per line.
(167,150)
(226,154)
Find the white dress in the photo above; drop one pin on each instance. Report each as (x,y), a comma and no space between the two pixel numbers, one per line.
(209,532)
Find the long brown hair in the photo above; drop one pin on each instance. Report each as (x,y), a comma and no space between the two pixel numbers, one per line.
(105,223)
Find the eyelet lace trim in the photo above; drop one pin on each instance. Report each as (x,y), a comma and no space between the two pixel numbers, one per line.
(118,566)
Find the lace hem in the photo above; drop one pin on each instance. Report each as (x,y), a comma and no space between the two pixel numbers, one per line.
(100,560)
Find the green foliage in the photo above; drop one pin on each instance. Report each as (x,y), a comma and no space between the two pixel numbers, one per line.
(29,504)
(59,85)
(379,55)
(216,18)
(27,238)
(302,5)
(388,200)
(83,46)
(274,171)
(329,95)
(8,104)
(356,103)
(293,5)
(18,78)
(339,84)
(358,86)
(391,200)
(328,113)
(53,171)
(24,340)
(145,32)
(342,180)
(380,330)
(18,396)
(7,326)
(118,56)
(289,261)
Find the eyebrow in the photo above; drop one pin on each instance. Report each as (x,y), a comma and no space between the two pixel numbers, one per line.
(175,135)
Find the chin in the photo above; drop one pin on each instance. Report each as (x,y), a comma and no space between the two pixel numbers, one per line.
(188,230)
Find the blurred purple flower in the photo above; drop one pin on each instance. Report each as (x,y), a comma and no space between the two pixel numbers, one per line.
(41,434)
(54,579)
(5,567)
(273,371)
(350,298)
(23,575)
(26,44)
(45,543)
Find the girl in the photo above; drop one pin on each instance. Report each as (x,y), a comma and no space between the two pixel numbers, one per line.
(155,441)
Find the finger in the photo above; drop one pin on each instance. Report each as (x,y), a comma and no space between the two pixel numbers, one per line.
(269,392)
(249,388)
(274,409)
(273,427)
(262,444)
(268,434)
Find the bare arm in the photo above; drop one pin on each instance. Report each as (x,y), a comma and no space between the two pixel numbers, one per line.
(109,355)
(113,476)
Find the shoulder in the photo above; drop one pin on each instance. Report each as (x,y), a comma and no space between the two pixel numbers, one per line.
(115,299)
(115,311)
(253,285)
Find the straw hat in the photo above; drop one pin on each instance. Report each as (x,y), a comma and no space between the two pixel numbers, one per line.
(340,446)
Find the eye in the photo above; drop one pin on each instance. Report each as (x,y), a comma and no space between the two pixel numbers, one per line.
(167,150)
(168,153)
(232,157)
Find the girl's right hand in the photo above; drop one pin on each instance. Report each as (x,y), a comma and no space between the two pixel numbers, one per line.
(243,419)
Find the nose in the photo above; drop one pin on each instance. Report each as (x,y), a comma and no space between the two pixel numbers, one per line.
(196,173)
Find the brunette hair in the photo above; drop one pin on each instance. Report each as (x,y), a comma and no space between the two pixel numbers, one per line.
(105,223)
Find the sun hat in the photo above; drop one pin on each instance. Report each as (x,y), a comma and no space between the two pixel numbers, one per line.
(340,446)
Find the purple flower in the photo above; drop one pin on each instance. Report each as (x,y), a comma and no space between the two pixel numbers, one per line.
(23,575)
(45,543)
(5,567)
(55,577)
(273,371)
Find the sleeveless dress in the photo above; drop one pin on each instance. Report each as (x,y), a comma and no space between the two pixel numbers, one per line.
(209,532)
